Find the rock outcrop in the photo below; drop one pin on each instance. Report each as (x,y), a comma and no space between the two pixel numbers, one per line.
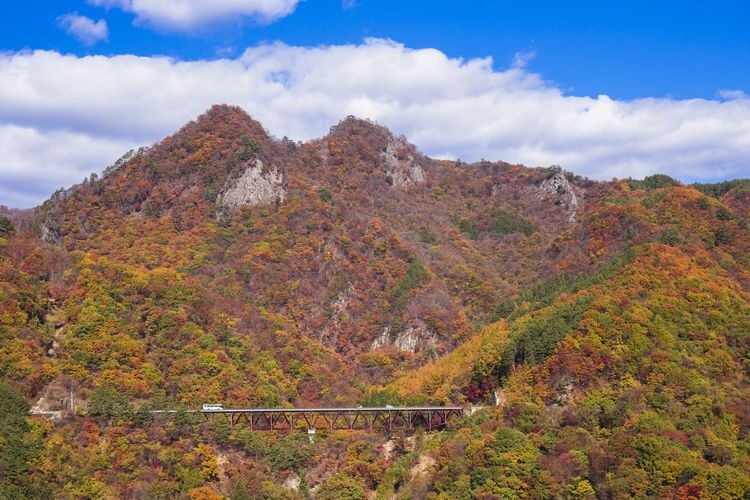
(558,188)
(258,185)
(400,165)
(49,233)
(417,336)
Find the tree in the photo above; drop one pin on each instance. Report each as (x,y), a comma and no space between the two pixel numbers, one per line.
(6,226)
(17,448)
(381,398)
(341,487)
(105,404)
(291,452)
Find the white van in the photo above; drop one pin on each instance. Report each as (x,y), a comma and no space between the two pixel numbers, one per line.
(213,407)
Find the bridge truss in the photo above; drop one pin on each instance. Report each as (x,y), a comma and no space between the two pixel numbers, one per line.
(383,418)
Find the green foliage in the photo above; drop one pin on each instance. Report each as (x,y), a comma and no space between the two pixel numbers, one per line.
(535,338)
(341,487)
(506,223)
(378,398)
(629,380)
(325,194)
(394,478)
(18,448)
(723,213)
(119,163)
(415,275)
(239,492)
(6,227)
(254,443)
(652,182)
(507,440)
(106,404)
(503,309)
(426,237)
(548,291)
(719,189)
(722,235)
(671,236)
(250,147)
(469,227)
(291,452)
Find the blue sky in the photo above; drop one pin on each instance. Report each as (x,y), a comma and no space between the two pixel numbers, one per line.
(623,49)
(603,88)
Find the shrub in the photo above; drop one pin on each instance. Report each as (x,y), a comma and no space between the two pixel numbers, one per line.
(250,148)
(291,452)
(325,194)
(469,227)
(6,226)
(507,223)
(341,487)
(722,236)
(722,213)
(427,237)
(415,274)
(671,236)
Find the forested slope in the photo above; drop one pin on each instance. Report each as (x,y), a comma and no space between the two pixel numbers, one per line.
(224,265)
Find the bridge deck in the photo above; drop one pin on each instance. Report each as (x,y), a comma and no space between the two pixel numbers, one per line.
(371,418)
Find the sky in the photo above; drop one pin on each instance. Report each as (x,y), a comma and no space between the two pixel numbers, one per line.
(604,89)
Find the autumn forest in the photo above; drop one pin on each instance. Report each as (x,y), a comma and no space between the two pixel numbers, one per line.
(609,319)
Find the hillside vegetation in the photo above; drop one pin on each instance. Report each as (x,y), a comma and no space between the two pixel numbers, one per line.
(612,319)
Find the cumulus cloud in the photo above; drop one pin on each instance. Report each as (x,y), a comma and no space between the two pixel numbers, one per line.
(80,113)
(730,94)
(35,163)
(187,15)
(85,29)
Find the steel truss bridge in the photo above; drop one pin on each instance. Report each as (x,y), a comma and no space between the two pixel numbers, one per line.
(385,418)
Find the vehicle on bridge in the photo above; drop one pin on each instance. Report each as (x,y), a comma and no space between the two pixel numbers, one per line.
(213,407)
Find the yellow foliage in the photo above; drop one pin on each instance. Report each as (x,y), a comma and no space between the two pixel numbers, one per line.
(441,378)
(204,493)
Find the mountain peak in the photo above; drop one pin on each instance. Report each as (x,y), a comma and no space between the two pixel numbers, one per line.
(224,117)
(351,127)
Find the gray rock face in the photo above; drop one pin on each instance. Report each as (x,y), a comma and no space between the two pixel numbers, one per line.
(50,234)
(258,185)
(417,336)
(558,188)
(400,165)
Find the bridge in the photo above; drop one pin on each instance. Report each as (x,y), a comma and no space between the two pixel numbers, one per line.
(359,418)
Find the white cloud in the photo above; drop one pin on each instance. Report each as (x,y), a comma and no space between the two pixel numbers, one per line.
(35,163)
(81,113)
(522,59)
(85,29)
(731,94)
(187,15)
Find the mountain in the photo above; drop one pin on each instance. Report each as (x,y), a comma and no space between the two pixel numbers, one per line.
(224,265)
